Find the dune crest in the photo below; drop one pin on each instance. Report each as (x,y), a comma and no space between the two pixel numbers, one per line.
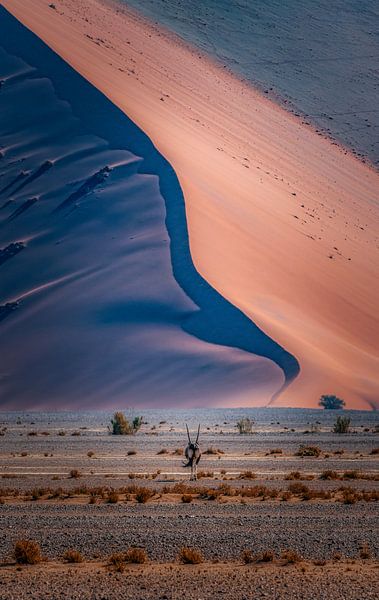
(282,223)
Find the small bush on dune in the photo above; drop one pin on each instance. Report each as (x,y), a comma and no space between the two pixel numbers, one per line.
(190,556)
(117,561)
(113,497)
(73,556)
(342,425)
(27,552)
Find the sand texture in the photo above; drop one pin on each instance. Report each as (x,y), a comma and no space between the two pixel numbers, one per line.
(281,222)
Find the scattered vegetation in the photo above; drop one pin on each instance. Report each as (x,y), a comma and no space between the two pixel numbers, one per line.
(308,451)
(113,497)
(144,494)
(27,552)
(122,426)
(187,498)
(331,402)
(342,425)
(73,556)
(136,556)
(190,556)
(163,451)
(245,425)
(291,556)
(75,474)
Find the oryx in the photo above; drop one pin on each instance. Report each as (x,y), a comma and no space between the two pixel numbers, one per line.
(193,454)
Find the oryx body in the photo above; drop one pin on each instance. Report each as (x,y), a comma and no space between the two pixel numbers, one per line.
(193,454)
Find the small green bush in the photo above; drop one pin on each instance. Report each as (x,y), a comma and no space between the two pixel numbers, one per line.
(342,425)
(122,426)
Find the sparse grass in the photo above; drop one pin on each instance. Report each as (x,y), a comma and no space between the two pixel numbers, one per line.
(308,451)
(190,556)
(73,556)
(27,552)
(75,474)
(291,556)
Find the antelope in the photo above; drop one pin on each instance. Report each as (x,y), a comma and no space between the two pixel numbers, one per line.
(193,454)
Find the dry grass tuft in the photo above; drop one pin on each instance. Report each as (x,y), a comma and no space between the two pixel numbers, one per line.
(143,494)
(329,475)
(308,451)
(27,552)
(365,552)
(73,556)
(291,556)
(113,497)
(163,451)
(137,556)
(190,556)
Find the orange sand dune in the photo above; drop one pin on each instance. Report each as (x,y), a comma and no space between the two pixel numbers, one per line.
(282,222)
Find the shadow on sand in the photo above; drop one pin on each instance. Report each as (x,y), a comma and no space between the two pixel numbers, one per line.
(217,321)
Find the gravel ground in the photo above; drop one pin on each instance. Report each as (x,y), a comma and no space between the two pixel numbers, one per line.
(204,582)
(221,531)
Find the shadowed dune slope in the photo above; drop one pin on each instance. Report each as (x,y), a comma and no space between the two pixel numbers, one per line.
(100,301)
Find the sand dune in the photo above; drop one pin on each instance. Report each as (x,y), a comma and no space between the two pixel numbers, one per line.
(99,300)
(282,222)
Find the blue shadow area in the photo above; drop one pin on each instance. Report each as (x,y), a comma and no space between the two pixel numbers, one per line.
(217,321)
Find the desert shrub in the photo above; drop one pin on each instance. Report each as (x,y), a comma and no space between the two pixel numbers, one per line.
(136,556)
(245,425)
(247,557)
(285,496)
(122,426)
(291,556)
(329,475)
(349,496)
(351,474)
(31,433)
(308,451)
(319,562)
(265,556)
(113,497)
(90,454)
(247,475)
(61,433)
(342,425)
(331,402)
(163,451)
(190,556)
(131,452)
(143,494)
(375,451)
(75,474)
(298,488)
(76,433)
(178,451)
(275,451)
(27,552)
(117,561)
(204,474)
(187,498)
(73,556)
(365,552)
(293,475)
(23,454)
